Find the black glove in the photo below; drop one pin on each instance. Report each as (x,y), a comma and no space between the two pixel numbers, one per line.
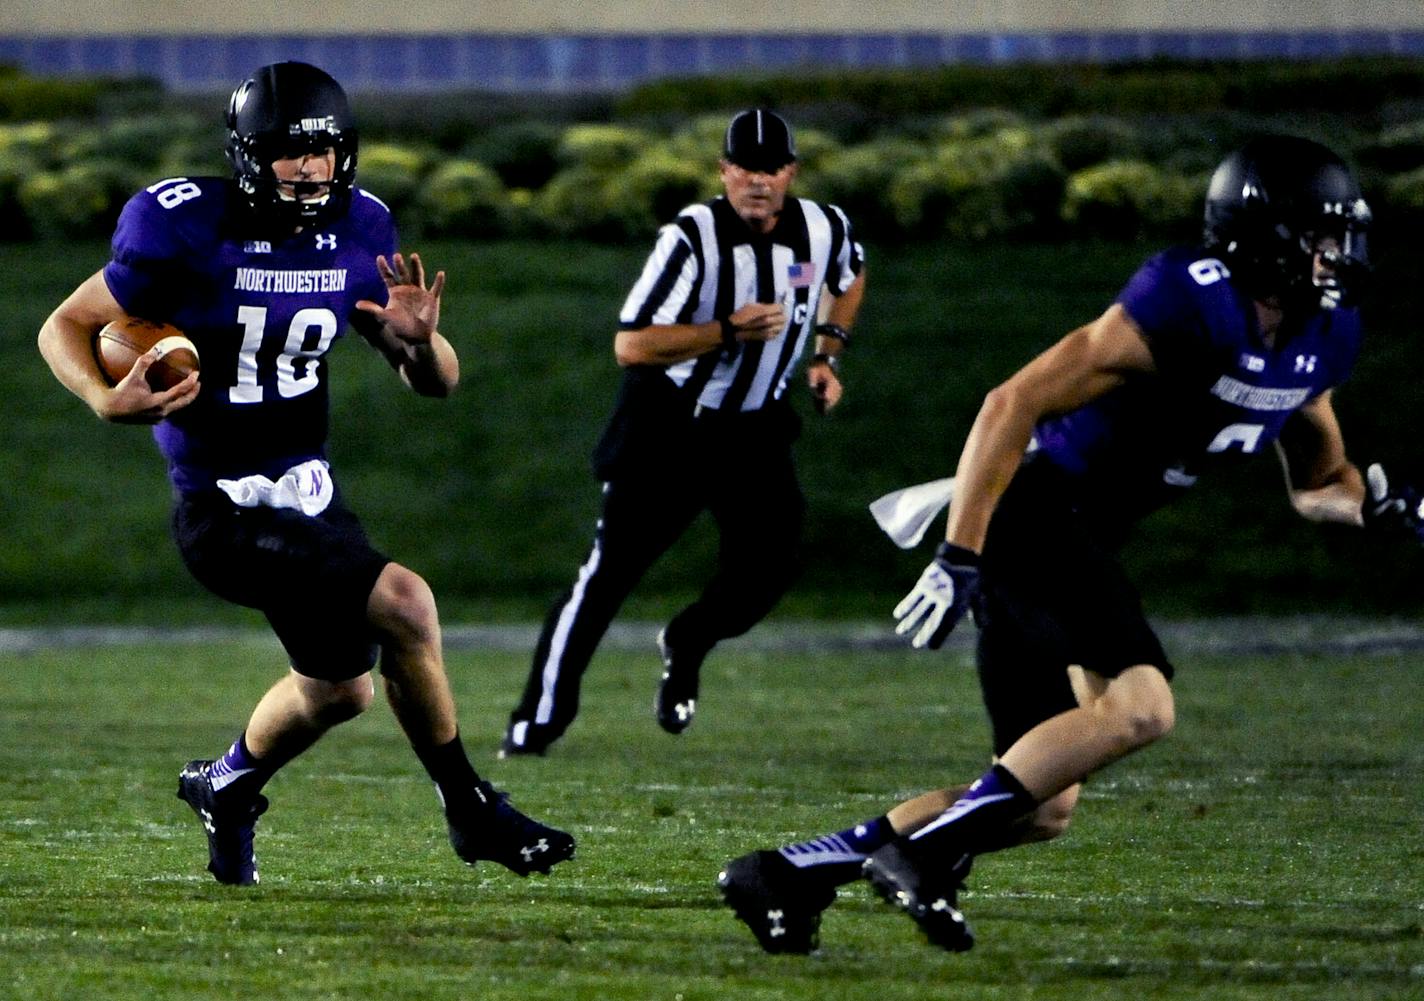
(939,599)
(1392,507)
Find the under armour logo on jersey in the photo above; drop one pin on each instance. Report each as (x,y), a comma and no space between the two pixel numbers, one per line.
(326,241)
(1305,363)
(542,845)
(775,918)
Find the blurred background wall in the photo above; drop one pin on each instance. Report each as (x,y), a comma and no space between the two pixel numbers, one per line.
(557,47)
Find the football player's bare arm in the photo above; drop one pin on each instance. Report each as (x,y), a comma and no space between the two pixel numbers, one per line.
(66,341)
(1082,366)
(1323,484)
(406,329)
(670,343)
(825,383)
(844,308)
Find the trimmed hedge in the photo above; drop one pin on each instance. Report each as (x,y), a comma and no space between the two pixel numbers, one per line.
(1053,90)
(969,152)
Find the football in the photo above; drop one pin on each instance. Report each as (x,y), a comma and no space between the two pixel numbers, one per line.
(121,342)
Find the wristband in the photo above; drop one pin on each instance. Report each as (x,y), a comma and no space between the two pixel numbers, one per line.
(949,553)
(833,362)
(729,333)
(834,331)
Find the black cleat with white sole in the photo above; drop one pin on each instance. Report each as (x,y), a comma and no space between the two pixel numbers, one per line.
(228,825)
(780,903)
(676,702)
(928,893)
(497,832)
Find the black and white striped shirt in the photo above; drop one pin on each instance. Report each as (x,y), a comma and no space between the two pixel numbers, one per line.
(708,263)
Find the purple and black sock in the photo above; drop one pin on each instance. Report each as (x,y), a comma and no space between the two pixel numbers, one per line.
(838,857)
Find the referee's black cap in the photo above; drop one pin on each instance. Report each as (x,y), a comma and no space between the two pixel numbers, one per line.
(759,140)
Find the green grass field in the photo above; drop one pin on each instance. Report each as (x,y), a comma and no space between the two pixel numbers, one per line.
(1270,849)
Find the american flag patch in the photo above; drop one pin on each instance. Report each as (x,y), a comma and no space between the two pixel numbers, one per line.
(801,275)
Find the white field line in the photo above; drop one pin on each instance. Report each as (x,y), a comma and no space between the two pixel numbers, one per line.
(1306,634)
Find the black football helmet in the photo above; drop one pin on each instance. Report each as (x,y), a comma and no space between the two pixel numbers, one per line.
(284,110)
(1268,206)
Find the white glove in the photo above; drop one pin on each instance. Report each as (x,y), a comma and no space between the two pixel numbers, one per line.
(940,597)
(1392,507)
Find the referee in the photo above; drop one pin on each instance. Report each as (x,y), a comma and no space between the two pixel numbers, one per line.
(709,338)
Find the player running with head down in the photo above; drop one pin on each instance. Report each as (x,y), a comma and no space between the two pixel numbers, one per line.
(263,272)
(1208,355)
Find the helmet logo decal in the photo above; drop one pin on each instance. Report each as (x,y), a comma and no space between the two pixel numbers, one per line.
(326,124)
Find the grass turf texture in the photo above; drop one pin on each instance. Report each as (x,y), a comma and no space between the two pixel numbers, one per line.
(1270,849)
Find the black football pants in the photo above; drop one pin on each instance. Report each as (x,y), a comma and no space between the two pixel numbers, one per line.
(751,490)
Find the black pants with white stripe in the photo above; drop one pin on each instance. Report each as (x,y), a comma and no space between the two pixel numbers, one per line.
(747,481)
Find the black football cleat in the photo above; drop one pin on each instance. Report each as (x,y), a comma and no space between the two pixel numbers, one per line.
(229,826)
(511,748)
(928,894)
(780,903)
(676,701)
(497,832)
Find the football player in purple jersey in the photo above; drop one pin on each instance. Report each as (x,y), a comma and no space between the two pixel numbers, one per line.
(1210,354)
(264,271)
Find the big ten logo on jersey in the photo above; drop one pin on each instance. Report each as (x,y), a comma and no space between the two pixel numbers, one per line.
(1208,271)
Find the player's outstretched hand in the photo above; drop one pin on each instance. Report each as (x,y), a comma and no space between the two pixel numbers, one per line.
(1392,507)
(945,591)
(412,312)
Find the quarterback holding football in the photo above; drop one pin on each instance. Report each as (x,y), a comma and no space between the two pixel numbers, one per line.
(264,271)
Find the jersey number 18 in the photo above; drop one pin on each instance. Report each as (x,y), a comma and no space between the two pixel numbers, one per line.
(248,388)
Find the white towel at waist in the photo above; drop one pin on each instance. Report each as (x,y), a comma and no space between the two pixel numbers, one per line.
(306,487)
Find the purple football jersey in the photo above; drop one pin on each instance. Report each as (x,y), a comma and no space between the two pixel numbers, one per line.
(1218,393)
(262,310)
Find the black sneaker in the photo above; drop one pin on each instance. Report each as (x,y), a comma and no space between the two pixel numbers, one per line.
(780,903)
(928,894)
(229,826)
(509,748)
(498,832)
(676,701)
